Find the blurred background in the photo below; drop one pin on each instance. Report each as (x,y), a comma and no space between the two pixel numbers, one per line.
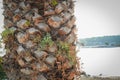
(98,23)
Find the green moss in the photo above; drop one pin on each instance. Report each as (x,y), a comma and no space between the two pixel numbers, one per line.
(64,49)
(54,2)
(7,32)
(46,41)
(63,46)
(71,59)
(27,23)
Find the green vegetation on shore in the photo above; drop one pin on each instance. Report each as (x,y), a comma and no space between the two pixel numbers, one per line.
(100,42)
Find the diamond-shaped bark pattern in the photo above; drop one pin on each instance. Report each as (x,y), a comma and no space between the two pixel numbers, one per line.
(64,30)
(31,55)
(59,8)
(8,23)
(23,24)
(20,49)
(32,31)
(50,60)
(43,27)
(22,37)
(55,21)
(40,54)
(49,12)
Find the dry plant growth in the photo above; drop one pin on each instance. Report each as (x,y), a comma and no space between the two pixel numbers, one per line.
(39,39)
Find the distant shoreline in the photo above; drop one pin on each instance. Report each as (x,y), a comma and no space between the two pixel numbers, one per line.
(99,46)
(100,42)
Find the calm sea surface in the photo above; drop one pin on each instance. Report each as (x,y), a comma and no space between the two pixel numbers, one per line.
(105,61)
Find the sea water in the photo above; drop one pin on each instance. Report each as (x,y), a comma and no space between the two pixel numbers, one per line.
(96,61)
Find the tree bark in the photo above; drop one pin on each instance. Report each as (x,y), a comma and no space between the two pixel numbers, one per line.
(39,39)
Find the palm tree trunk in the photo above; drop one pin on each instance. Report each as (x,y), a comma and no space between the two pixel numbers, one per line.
(39,39)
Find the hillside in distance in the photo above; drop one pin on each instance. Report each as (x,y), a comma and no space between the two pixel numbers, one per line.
(100,42)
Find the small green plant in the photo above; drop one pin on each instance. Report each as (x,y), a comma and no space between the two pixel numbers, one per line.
(63,46)
(46,41)
(71,58)
(27,23)
(54,2)
(64,49)
(7,32)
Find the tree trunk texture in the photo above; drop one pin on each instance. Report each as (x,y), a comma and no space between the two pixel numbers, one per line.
(39,39)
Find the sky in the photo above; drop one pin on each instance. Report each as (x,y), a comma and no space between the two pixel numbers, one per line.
(97,17)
